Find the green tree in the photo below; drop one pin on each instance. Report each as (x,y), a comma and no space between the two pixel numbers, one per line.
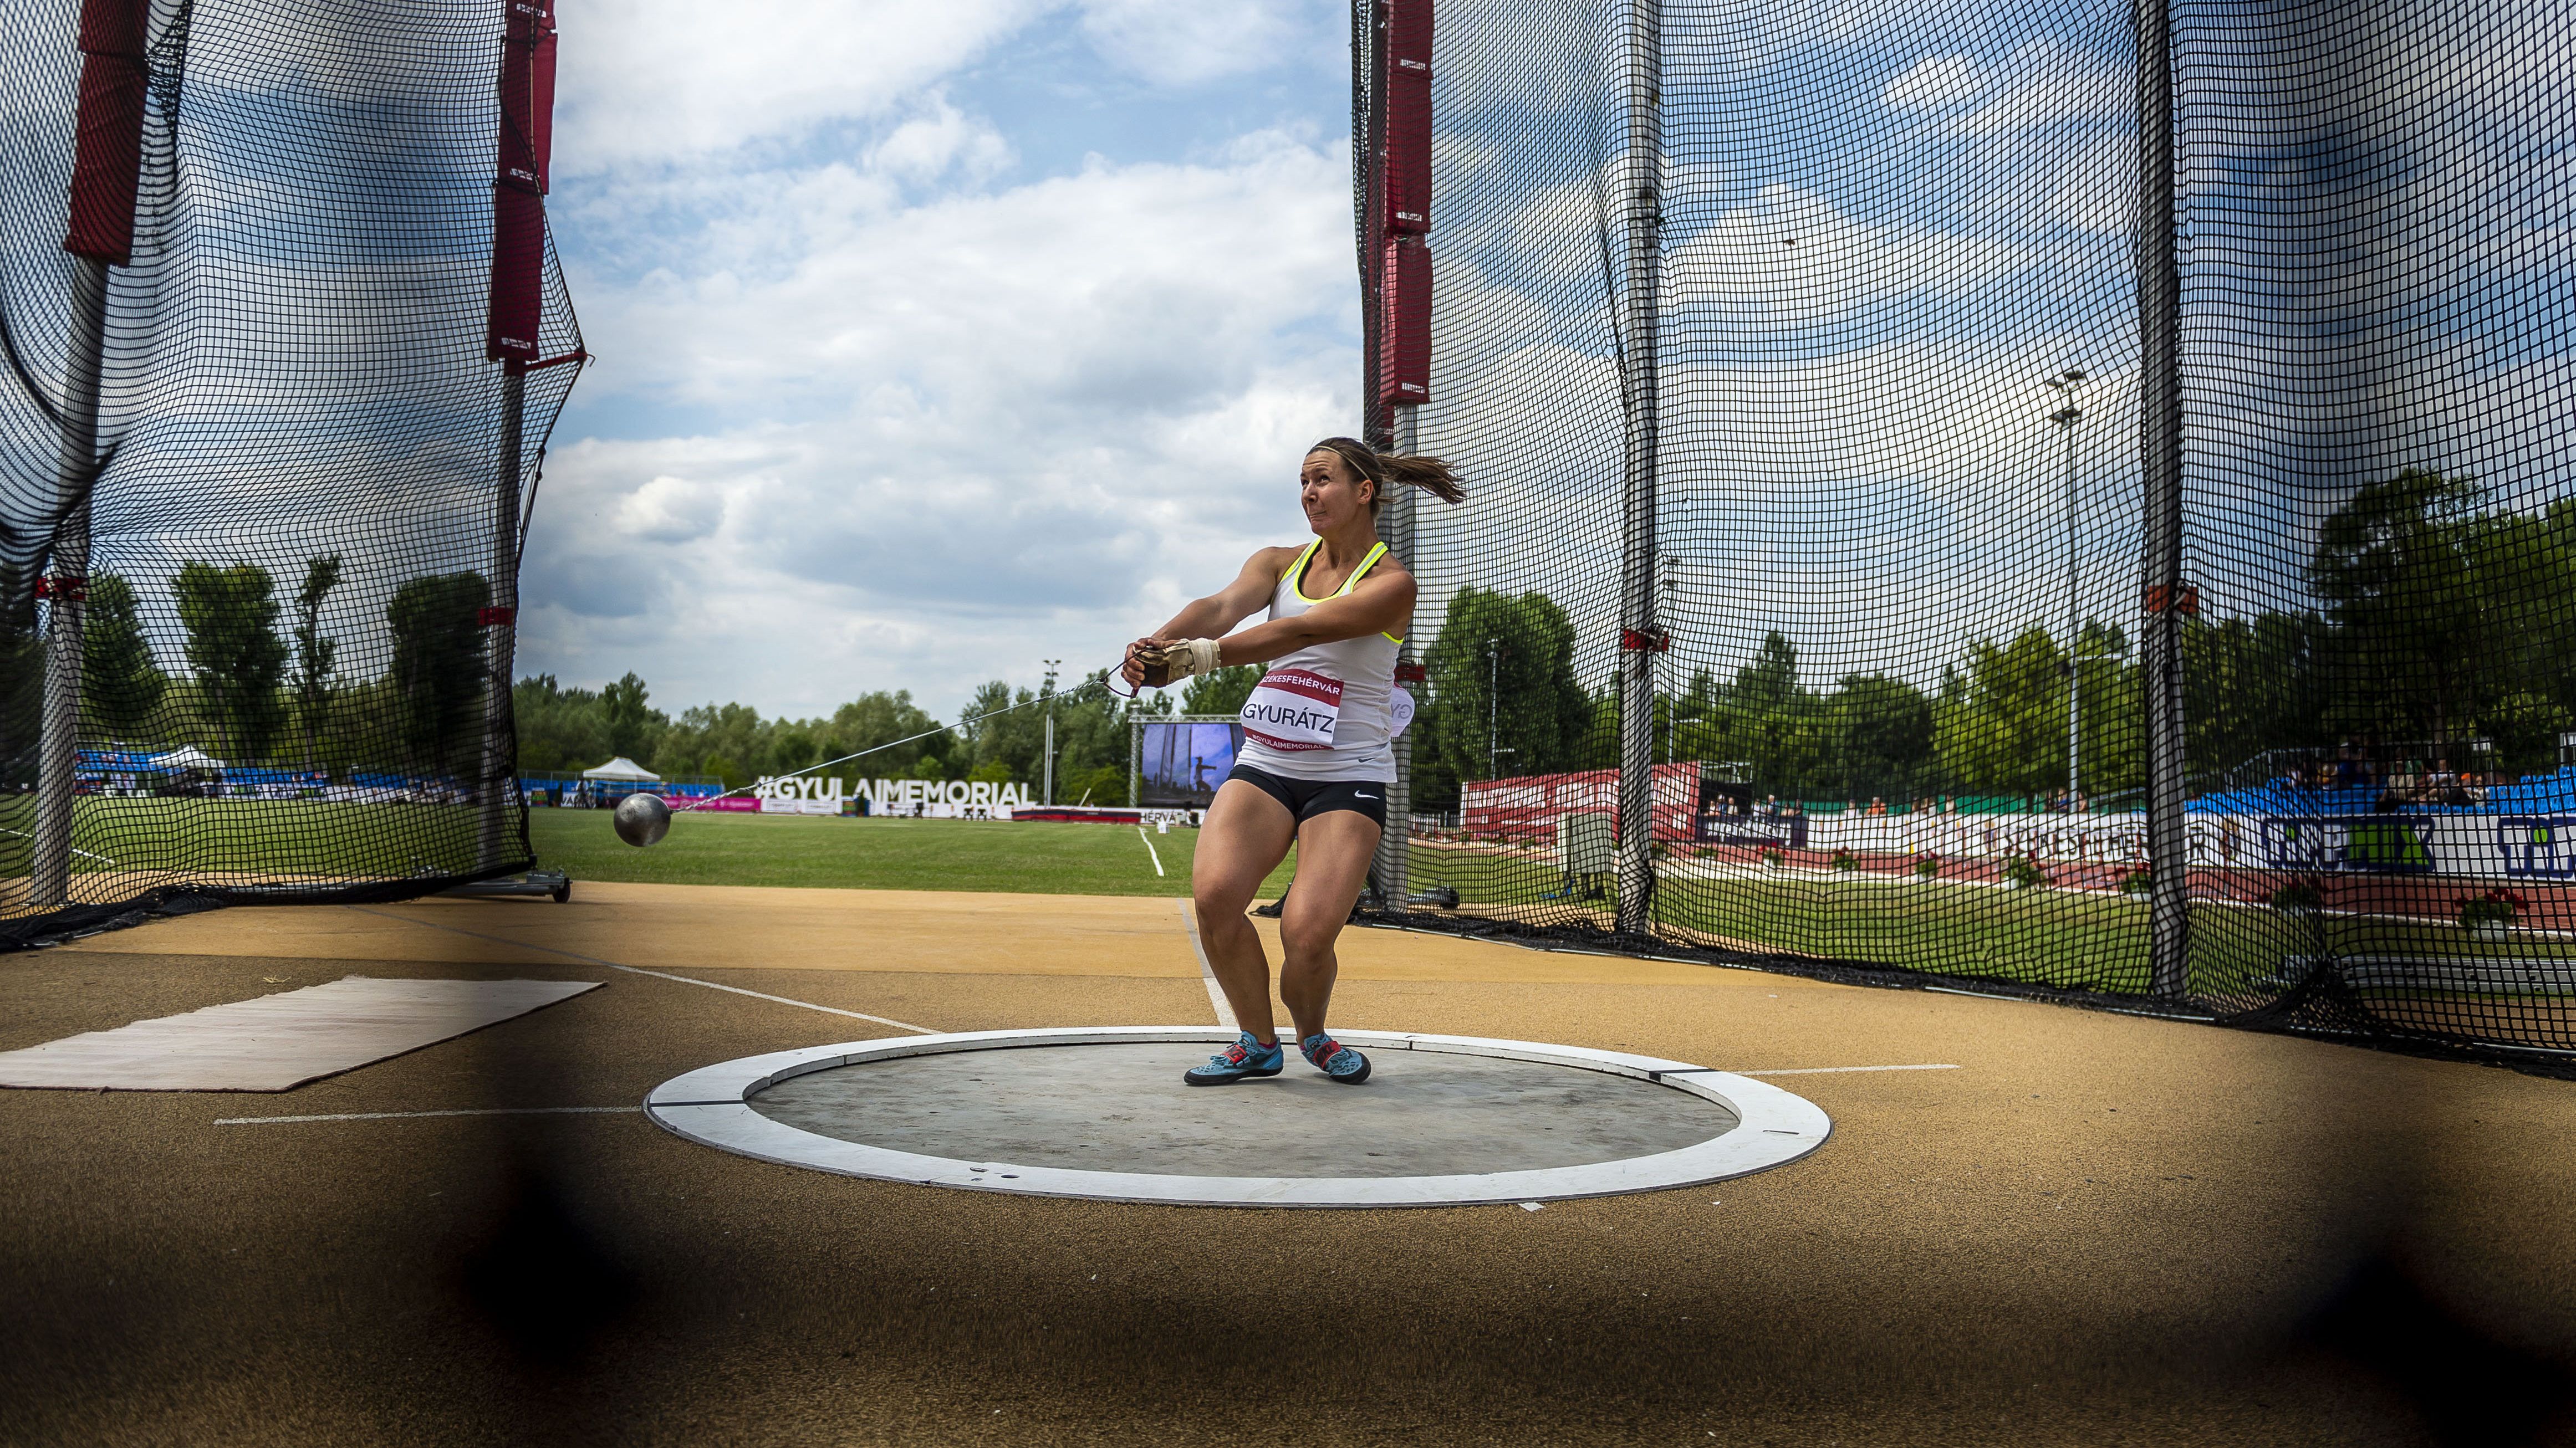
(1103,784)
(121,686)
(1878,736)
(1219,691)
(313,652)
(2001,725)
(2411,588)
(560,729)
(439,670)
(1765,720)
(791,748)
(22,689)
(231,615)
(1004,733)
(629,721)
(1502,671)
(2250,686)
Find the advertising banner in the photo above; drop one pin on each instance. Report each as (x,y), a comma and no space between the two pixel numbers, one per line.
(943,799)
(1180,765)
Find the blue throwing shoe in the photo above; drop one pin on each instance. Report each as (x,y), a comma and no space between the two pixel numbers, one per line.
(1335,1060)
(1245,1058)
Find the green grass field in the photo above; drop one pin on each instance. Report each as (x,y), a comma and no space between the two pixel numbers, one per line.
(268,837)
(2041,936)
(823,852)
(2056,937)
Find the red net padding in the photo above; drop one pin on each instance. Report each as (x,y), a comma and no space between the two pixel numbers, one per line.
(1406,169)
(107,154)
(1404,329)
(1527,808)
(518,192)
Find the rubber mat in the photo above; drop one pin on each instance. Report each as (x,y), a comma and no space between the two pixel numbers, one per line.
(276,1042)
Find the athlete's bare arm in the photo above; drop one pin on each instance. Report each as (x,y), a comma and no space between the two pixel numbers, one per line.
(1249,593)
(1381,603)
(1220,611)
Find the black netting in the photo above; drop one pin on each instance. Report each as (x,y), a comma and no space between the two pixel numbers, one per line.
(297,530)
(1902,527)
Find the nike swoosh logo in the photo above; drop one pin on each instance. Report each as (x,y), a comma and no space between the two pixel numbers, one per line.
(1355,794)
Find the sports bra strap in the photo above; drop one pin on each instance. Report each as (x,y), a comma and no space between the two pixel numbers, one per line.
(1367,563)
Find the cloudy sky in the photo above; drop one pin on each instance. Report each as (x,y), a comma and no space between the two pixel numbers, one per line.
(934,340)
(938,340)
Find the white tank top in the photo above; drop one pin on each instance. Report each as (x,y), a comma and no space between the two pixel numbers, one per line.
(1322,713)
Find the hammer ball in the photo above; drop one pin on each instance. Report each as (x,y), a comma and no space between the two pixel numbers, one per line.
(642,819)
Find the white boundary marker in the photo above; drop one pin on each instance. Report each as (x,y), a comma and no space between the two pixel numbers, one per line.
(416,1115)
(1154,854)
(709,1106)
(1207,972)
(1839,1070)
(639,970)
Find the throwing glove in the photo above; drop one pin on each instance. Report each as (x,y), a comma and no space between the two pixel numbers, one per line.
(1166,664)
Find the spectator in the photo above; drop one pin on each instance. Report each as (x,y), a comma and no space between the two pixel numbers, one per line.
(1877,806)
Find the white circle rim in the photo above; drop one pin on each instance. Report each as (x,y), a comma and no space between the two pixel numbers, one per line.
(710,1106)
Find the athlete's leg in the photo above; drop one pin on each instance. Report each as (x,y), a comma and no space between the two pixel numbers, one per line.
(1333,853)
(1245,836)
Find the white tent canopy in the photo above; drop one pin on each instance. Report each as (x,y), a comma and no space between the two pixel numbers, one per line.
(189,757)
(623,769)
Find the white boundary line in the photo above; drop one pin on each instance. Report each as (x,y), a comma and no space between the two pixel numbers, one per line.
(415,1115)
(1155,854)
(1207,972)
(1774,1127)
(1837,1070)
(656,974)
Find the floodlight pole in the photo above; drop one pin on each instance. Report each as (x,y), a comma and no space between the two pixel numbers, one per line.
(65,587)
(2160,439)
(2066,417)
(1395,844)
(1046,792)
(1638,634)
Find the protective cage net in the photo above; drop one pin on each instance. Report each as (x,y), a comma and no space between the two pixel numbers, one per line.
(1899,522)
(297,516)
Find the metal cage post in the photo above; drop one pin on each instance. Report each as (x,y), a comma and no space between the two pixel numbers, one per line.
(66,588)
(2160,445)
(1638,635)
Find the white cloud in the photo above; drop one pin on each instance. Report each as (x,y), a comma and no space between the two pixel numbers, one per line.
(1188,41)
(661,82)
(671,510)
(2043,83)
(961,433)
(1791,258)
(1936,82)
(926,147)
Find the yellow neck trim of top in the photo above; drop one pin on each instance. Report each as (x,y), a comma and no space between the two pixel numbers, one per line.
(1296,574)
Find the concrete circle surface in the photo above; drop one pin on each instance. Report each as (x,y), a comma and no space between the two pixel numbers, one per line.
(1103,1113)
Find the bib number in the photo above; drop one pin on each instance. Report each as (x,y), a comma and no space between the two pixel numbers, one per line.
(1293,709)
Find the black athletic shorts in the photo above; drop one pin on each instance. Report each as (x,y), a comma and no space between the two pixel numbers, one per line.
(1307,798)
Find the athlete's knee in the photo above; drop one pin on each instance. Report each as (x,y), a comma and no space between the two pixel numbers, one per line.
(1306,942)
(1216,901)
